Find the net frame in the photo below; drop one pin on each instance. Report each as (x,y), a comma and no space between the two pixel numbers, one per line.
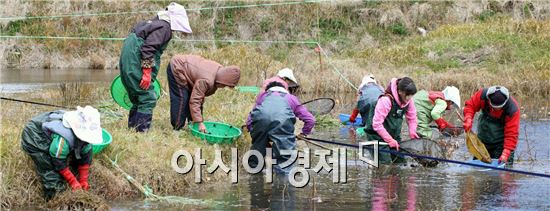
(320,106)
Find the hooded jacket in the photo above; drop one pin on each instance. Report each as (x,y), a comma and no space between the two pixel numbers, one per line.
(383,107)
(200,75)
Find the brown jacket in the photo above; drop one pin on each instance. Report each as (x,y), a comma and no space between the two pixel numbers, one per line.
(200,75)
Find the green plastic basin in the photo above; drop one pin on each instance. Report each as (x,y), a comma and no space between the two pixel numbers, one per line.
(120,95)
(251,89)
(107,139)
(218,133)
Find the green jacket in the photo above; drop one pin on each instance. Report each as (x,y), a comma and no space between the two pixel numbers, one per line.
(429,107)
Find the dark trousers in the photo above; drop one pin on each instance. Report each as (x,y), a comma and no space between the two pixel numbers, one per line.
(179,102)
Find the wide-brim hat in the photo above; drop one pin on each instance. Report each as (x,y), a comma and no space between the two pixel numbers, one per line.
(85,124)
(289,74)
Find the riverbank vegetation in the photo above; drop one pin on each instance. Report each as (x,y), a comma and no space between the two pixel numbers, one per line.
(467,44)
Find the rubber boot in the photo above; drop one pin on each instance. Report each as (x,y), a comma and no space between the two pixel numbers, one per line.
(132,123)
(143,121)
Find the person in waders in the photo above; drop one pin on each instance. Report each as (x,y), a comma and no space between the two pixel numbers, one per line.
(272,121)
(368,93)
(191,79)
(498,126)
(431,105)
(385,117)
(140,61)
(54,138)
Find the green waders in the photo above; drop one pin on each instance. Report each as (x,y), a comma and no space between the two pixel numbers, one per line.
(491,133)
(36,143)
(144,101)
(392,124)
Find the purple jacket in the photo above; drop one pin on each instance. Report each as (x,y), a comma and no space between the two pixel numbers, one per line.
(294,103)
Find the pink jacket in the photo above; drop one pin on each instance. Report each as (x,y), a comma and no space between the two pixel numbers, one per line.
(383,107)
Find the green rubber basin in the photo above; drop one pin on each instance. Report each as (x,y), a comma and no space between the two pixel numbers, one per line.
(107,139)
(217,132)
(120,95)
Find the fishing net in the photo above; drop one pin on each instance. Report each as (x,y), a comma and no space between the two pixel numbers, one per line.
(452,131)
(425,147)
(320,106)
(477,148)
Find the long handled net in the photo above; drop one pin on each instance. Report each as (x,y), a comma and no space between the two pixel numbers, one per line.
(423,147)
(477,148)
(320,106)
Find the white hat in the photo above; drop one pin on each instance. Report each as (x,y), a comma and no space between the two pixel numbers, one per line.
(451,93)
(85,123)
(178,18)
(367,79)
(287,73)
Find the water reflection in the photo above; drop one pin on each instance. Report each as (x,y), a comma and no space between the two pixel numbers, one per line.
(279,195)
(496,191)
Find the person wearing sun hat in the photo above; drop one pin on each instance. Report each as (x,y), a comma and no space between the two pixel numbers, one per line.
(286,77)
(53,138)
(140,61)
(431,105)
(368,92)
(498,125)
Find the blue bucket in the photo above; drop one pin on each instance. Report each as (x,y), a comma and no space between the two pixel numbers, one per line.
(494,163)
(344,119)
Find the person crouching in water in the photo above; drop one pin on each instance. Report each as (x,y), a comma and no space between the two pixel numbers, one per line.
(430,106)
(368,93)
(498,126)
(53,138)
(385,119)
(272,120)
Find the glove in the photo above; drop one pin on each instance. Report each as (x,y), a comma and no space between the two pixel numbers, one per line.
(69,177)
(413,135)
(467,124)
(301,136)
(83,176)
(504,156)
(442,124)
(146,78)
(353,115)
(393,144)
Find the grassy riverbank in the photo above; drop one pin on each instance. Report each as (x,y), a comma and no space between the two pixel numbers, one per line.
(146,157)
